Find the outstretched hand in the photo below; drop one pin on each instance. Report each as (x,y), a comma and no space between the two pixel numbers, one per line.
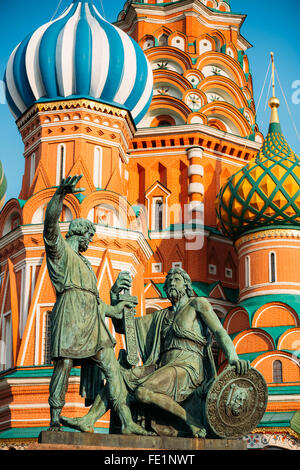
(68,185)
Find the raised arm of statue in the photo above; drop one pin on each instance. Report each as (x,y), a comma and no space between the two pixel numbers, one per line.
(54,208)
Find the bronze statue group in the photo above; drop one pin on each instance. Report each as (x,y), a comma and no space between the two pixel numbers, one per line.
(161,395)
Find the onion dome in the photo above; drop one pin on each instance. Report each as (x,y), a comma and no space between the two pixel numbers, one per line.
(265,192)
(3,186)
(79,55)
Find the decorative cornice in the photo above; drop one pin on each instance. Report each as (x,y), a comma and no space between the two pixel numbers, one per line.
(275,232)
(75,104)
(209,131)
(148,12)
(276,430)
(102,231)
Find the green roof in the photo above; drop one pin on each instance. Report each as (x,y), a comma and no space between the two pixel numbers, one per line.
(277,419)
(193,226)
(250,356)
(286,390)
(254,303)
(231,294)
(33,433)
(80,197)
(33,372)
(276,331)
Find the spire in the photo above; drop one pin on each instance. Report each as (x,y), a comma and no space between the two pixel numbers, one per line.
(274,103)
(275,143)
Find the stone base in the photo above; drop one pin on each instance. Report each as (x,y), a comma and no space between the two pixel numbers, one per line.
(88,441)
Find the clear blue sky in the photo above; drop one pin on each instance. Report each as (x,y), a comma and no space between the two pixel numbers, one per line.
(271,25)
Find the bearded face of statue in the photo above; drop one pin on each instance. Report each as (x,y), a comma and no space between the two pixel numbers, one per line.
(84,241)
(175,288)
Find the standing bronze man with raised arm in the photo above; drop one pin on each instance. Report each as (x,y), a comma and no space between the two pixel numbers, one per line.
(78,329)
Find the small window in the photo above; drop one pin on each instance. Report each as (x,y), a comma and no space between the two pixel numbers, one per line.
(277,372)
(272,267)
(61,163)
(177,264)
(158,209)
(32,168)
(212,269)
(247,271)
(163,40)
(228,273)
(156,267)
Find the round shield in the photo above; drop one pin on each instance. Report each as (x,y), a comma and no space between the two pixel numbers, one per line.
(235,404)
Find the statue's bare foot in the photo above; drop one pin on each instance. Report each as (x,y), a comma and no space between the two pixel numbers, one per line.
(198,431)
(134,428)
(77,423)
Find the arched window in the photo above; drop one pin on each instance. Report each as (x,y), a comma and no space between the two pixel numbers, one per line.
(32,168)
(163,40)
(272,267)
(98,167)
(61,163)
(247,272)
(277,372)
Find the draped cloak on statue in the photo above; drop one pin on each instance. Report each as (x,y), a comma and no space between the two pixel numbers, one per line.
(163,344)
(174,352)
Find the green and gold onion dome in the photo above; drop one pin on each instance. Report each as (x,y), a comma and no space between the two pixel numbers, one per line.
(266,192)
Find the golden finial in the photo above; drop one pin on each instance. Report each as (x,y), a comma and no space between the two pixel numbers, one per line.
(274,102)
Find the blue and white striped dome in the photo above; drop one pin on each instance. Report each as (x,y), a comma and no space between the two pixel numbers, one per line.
(77,55)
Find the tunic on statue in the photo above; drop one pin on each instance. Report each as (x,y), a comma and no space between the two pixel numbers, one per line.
(170,350)
(78,328)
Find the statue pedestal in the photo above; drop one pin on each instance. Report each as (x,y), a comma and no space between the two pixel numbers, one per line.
(87,441)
